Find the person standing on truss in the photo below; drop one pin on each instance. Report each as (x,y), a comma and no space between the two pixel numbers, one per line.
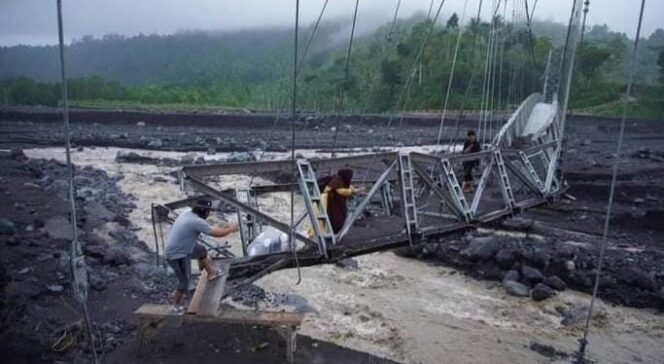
(470,145)
(334,197)
(181,247)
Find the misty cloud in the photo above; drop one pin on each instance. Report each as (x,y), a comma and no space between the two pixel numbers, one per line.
(34,21)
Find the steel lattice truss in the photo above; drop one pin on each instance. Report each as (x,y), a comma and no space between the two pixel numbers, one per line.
(411,198)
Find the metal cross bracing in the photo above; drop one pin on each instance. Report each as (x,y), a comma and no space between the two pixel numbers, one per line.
(410,198)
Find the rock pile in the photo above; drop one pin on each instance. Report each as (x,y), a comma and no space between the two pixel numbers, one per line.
(538,268)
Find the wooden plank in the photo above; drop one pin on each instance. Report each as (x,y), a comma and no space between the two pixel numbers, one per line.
(207,297)
(231,316)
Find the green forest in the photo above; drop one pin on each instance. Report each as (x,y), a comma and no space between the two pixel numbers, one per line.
(396,67)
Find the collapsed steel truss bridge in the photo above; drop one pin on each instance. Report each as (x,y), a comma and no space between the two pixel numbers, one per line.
(411,198)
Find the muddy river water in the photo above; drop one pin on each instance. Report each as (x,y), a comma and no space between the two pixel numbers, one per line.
(400,308)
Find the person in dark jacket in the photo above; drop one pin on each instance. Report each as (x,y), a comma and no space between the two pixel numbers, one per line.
(334,197)
(470,145)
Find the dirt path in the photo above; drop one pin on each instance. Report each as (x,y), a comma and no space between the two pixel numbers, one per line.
(410,310)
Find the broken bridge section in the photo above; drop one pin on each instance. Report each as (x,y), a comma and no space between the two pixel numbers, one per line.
(407,199)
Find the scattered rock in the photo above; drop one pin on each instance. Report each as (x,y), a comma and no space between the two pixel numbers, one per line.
(637,277)
(586,142)
(97,211)
(129,157)
(547,351)
(17,153)
(97,282)
(578,314)
(348,263)
(12,241)
(555,282)
(212,151)
(516,289)
(55,288)
(116,256)
(538,257)
(140,124)
(7,227)
(241,157)
(59,228)
(155,143)
(542,292)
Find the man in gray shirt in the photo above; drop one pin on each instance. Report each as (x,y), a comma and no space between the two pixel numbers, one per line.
(181,247)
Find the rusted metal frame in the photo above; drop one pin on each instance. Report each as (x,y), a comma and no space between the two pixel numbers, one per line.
(200,185)
(285,166)
(365,201)
(427,180)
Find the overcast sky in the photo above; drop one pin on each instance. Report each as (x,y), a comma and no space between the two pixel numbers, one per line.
(34,21)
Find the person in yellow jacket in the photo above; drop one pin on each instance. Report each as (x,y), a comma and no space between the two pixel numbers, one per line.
(335,191)
(334,197)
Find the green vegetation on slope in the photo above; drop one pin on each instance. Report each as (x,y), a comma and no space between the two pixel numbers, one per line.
(251,69)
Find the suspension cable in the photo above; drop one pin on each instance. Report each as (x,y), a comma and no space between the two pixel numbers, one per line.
(300,64)
(291,240)
(76,260)
(394,19)
(451,78)
(403,97)
(583,342)
(342,89)
(482,123)
(313,33)
(475,50)
(430,8)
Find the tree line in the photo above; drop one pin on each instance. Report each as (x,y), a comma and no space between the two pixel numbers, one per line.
(389,69)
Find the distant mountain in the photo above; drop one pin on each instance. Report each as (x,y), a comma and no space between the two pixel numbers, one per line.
(191,58)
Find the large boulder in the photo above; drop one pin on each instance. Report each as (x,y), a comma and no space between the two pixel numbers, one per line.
(482,248)
(555,282)
(541,292)
(512,275)
(506,257)
(516,289)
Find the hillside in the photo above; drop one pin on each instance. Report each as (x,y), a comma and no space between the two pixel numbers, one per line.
(252,68)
